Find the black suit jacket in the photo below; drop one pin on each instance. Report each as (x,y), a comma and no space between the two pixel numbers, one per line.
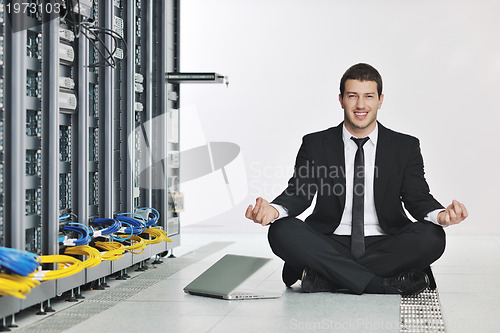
(320,169)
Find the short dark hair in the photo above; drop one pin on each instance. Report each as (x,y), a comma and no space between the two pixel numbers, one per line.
(361,72)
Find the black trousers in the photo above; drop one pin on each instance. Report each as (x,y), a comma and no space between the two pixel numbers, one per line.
(416,246)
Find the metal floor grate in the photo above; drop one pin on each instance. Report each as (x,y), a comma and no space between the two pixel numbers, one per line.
(421,313)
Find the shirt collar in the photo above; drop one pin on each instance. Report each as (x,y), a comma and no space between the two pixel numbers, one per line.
(346,136)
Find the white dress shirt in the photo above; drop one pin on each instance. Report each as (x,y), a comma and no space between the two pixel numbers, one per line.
(372,225)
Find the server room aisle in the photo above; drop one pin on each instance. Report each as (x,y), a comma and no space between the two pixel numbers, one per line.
(155,301)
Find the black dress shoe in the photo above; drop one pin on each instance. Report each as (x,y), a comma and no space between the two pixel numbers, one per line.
(407,283)
(290,275)
(312,282)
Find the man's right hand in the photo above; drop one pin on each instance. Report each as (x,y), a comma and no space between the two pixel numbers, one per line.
(263,213)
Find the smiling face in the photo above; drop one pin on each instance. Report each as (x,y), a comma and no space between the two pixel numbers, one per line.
(360,103)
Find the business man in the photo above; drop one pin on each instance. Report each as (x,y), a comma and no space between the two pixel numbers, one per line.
(358,237)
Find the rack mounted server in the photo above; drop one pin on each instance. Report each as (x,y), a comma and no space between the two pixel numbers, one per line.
(80,99)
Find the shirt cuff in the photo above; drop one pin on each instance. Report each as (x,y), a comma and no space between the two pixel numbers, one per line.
(432,216)
(282,211)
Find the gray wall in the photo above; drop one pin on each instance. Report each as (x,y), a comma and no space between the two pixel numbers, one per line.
(440,61)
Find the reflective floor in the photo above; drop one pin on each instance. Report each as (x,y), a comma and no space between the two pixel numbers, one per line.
(466,277)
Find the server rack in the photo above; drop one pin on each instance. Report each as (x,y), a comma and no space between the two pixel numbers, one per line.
(87,125)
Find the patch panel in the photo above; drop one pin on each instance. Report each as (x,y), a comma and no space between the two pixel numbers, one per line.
(34,44)
(33,122)
(94,13)
(33,162)
(137,175)
(93,59)
(93,144)
(137,55)
(64,191)
(33,201)
(138,27)
(93,188)
(1,183)
(1,93)
(1,50)
(65,143)
(2,13)
(1,138)
(34,240)
(34,84)
(94,100)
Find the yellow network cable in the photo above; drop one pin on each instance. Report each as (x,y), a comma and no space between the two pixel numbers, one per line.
(67,266)
(159,236)
(138,244)
(94,256)
(114,250)
(16,285)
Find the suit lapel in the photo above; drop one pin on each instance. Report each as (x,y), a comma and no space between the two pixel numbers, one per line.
(334,151)
(384,163)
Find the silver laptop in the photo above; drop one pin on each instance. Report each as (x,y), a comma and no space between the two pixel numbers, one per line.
(223,278)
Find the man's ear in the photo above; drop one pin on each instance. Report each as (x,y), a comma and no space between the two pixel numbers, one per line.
(341,101)
(380,101)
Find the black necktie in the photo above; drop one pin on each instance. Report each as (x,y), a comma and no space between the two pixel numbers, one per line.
(358,201)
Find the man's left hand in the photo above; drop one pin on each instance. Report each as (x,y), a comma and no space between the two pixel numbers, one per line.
(454,214)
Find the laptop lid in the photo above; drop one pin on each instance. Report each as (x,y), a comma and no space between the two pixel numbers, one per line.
(225,275)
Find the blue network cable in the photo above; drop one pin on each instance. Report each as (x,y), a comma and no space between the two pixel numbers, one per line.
(114,225)
(119,239)
(64,217)
(153,216)
(20,262)
(84,232)
(137,227)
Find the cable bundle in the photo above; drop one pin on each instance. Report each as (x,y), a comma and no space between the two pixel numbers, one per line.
(153,216)
(137,244)
(158,235)
(113,226)
(15,285)
(80,229)
(94,256)
(67,267)
(18,261)
(136,227)
(90,28)
(114,250)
